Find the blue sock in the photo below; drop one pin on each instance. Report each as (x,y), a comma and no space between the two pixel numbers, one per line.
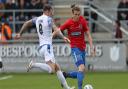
(80,77)
(72,74)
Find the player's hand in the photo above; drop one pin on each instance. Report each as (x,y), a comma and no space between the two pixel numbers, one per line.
(66,39)
(93,52)
(18,35)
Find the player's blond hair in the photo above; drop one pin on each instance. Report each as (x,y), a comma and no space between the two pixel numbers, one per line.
(75,8)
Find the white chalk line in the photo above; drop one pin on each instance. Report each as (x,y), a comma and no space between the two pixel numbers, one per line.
(6,77)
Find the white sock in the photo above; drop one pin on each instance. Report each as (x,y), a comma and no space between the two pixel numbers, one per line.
(43,66)
(62,79)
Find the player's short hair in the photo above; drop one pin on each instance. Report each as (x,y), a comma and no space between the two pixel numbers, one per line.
(47,7)
(73,5)
(75,8)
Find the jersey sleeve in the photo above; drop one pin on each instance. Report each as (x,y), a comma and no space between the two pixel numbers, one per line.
(34,20)
(64,26)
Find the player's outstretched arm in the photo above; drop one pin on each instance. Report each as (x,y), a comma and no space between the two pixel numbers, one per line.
(90,39)
(91,43)
(24,27)
(58,32)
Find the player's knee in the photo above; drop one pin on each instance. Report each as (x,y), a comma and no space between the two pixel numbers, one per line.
(82,68)
(52,65)
(53,69)
(57,67)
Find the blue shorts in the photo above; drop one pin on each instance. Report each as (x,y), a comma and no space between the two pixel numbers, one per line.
(78,56)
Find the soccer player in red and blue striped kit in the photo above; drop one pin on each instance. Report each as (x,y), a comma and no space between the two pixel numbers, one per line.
(76,28)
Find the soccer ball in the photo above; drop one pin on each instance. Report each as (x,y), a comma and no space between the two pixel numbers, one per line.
(88,86)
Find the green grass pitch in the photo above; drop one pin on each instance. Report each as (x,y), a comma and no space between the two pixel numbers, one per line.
(99,80)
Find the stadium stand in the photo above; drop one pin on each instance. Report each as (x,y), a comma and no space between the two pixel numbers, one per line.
(62,12)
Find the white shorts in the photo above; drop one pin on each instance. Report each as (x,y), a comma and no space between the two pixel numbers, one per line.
(46,50)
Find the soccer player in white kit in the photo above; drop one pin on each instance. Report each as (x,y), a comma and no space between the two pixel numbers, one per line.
(44,25)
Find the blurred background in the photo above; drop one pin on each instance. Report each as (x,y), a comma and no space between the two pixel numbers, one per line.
(108,23)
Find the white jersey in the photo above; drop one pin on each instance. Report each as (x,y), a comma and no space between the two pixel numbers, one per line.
(44,29)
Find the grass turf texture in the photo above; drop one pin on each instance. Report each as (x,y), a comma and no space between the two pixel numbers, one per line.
(99,80)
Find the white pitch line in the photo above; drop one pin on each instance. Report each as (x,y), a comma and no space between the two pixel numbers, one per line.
(6,77)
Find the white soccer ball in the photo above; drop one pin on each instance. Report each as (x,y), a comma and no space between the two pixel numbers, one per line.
(88,86)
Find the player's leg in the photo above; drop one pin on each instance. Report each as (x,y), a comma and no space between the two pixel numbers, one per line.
(75,54)
(78,57)
(61,78)
(80,75)
(71,74)
(42,66)
(81,69)
(49,56)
